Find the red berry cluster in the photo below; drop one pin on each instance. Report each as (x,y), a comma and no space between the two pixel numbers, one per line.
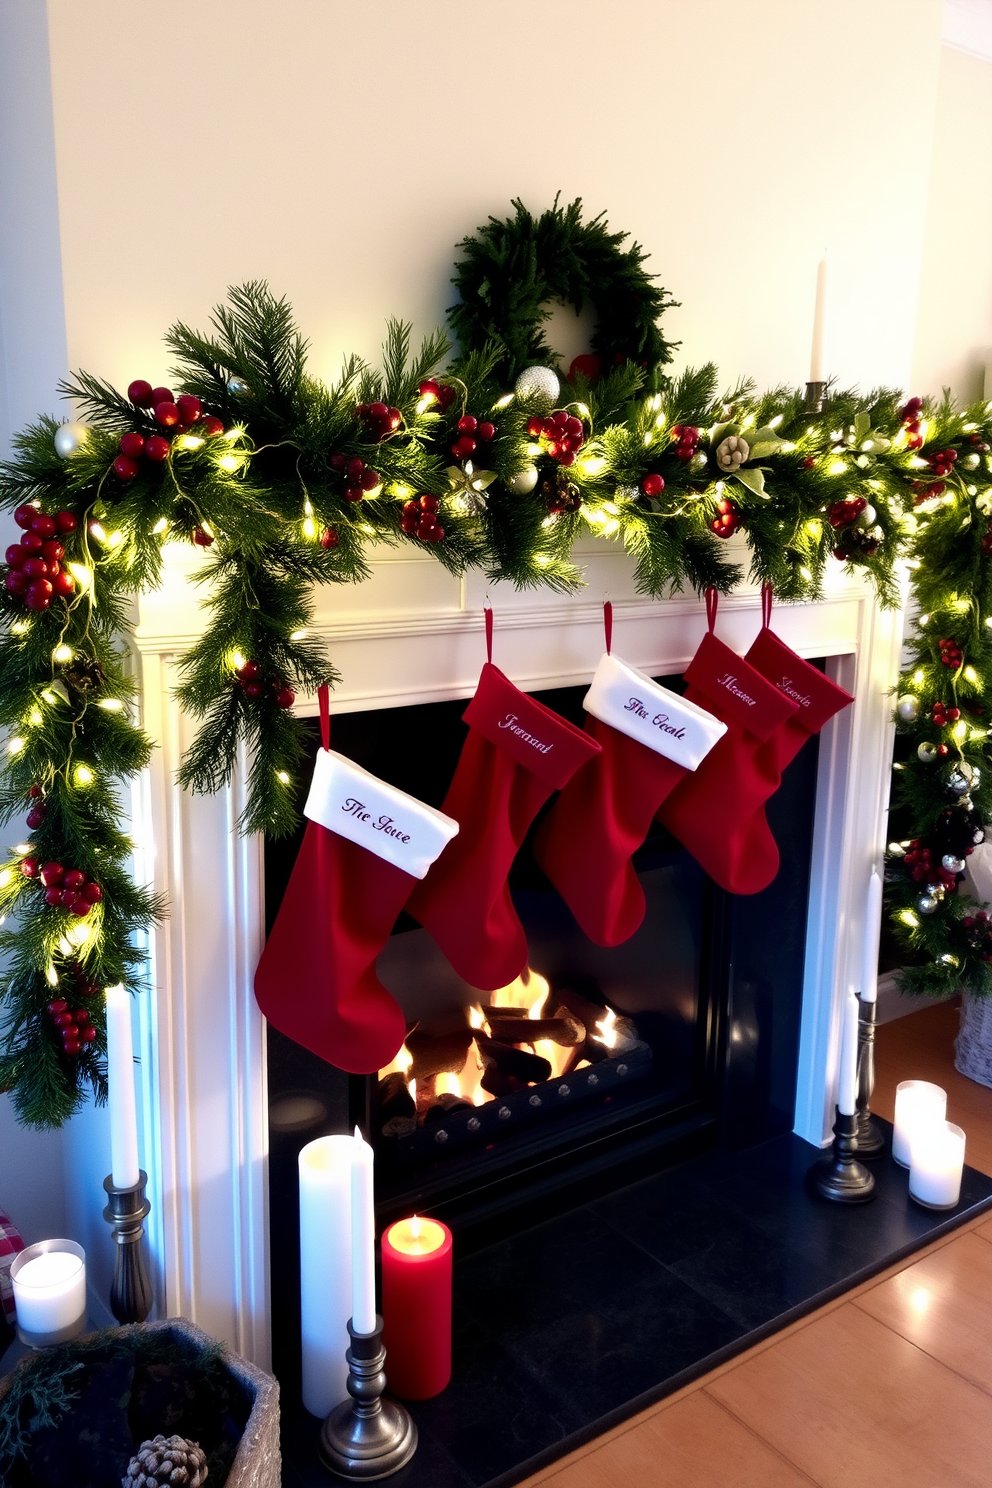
(329,538)
(924,869)
(843,513)
(855,543)
(180,413)
(563,434)
(65,888)
(439,392)
(36,815)
(686,440)
(471,433)
(35,572)
(652,485)
(978,929)
(910,416)
(727,519)
(419,519)
(76,1027)
(202,537)
(360,479)
(950,653)
(379,419)
(941,462)
(942,715)
(249,678)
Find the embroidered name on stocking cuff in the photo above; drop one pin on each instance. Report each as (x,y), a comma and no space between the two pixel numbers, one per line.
(545,744)
(396,827)
(644,710)
(737,689)
(818,698)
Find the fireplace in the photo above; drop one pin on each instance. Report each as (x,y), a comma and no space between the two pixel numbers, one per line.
(412,637)
(594,1066)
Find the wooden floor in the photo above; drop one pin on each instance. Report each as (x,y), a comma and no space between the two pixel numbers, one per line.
(888,1387)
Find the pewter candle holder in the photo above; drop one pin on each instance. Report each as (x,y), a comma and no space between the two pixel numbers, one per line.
(814,396)
(369,1436)
(126,1212)
(839,1176)
(871,1142)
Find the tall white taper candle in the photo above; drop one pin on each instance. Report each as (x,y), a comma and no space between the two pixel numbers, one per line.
(873,927)
(362,1238)
(124,1167)
(847,1084)
(818,356)
(325,1270)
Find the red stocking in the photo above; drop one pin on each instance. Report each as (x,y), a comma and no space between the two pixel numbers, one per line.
(650,739)
(709,809)
(316,980)
(517,752)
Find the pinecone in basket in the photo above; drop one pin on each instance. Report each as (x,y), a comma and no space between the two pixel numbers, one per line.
(167,1459)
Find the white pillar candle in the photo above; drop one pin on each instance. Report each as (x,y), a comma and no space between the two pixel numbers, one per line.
(49,1281)
(817,356)
(847,1080)
(936,1166)
(873,928)
(120,1090)
(362,1238)
(325,1270)
(918,1103)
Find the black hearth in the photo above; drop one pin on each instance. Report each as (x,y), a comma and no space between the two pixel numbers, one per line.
(695,1045)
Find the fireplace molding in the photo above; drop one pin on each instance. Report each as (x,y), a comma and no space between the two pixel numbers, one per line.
(414,634)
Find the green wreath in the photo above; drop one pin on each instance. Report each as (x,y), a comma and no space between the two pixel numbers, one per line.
(512,269)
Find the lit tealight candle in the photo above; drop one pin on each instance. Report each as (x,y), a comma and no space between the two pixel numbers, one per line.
(49,1281)
(416,1307)
(918,1104)
(937,1165)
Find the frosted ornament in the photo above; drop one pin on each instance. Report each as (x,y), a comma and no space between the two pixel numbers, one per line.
(538,385)
(908,708)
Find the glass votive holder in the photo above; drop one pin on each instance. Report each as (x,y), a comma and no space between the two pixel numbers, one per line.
(918,1103)
(49,1281)
(938,1162)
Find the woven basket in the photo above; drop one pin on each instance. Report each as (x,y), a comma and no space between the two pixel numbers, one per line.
(973,1045)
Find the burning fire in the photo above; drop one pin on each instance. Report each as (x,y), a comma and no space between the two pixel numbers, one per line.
(606,1029)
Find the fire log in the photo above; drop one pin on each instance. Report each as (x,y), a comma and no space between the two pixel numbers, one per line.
(562,1029)
(395,1099)
(511,1063)
(438,1056)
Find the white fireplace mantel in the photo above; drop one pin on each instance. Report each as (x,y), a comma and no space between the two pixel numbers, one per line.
(413,633)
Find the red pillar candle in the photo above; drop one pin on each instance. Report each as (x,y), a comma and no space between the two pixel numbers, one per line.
(416,1307)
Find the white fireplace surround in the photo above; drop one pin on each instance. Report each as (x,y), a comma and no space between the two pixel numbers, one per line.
(413,634)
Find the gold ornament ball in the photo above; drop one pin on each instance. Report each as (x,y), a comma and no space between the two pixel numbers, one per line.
(69,438)
(537,385)
(926,753)
(523,481)
(908,708)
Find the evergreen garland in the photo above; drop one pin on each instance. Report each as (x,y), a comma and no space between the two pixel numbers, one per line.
(287,483)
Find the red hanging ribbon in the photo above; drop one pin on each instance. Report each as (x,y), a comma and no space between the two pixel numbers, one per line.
(766,605)
(489,631)
(324,701)
(608,625)
(712,600)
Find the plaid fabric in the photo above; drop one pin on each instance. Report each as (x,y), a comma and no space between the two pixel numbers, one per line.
(10,1244)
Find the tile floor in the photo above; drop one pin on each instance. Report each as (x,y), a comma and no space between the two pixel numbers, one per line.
(889,1386)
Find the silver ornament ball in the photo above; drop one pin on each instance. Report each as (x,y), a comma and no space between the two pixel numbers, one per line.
(926,753)
(978,836)
(926,904)
(237,387)
(537,385)
(964,777)
(908,708)
(522,482)
(69,438)
(951,864)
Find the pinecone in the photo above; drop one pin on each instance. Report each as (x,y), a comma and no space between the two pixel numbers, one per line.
(167,1459)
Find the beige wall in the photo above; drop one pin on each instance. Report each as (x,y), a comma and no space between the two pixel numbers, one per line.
(954,324)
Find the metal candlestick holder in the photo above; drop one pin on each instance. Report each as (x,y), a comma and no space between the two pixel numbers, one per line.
(839,1176)
(814,396)
(126,1211)
(871,1143)
(368,1436)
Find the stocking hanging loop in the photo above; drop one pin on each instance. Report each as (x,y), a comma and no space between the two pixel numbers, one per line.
(608,625)
(324,702)
(712,600)
(488,613)
(766,605)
